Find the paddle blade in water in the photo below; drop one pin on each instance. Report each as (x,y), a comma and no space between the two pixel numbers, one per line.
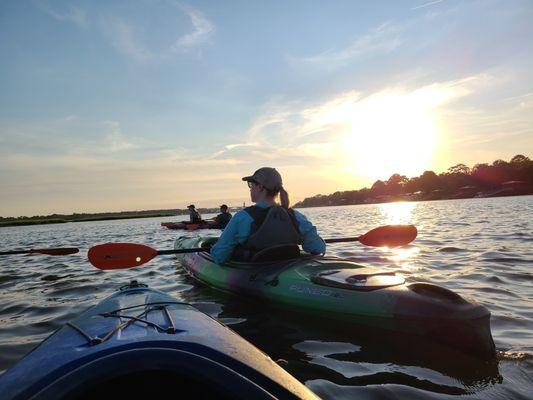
(120,255)
(389,236)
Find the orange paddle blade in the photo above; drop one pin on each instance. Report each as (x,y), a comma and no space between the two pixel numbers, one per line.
(120,255)
(389,236)
(56,252)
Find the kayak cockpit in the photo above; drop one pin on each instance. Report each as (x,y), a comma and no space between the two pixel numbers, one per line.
(275,256)
(152,372)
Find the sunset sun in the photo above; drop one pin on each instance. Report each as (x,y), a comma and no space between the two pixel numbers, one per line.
(390,133)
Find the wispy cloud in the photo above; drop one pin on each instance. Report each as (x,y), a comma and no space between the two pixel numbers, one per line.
(431,3)
(383,39)
(203,28)
(236,145)
(232,148)
(71,135)
(72,14)
(124,40)
(115,140)
(522,101)
(292,133)
(129,39)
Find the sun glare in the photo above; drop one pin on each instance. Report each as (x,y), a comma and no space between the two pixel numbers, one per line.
(399,213)
(390,132)
(396,213)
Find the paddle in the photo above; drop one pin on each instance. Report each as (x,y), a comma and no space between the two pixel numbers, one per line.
(127,255)
(51,252)
(384,236)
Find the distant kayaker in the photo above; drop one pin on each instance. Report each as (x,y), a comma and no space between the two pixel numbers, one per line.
(195,217)
(266,225)
(222,219)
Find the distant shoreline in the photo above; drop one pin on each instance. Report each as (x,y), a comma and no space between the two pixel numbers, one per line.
(62,219)
(399,200)
(26,222)
(142,214)
(404,198)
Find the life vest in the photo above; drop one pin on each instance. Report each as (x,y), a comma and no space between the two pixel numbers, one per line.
(223,219)
(195,216)
(271,227)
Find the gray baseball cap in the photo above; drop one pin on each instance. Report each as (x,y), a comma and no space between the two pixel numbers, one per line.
(267,177)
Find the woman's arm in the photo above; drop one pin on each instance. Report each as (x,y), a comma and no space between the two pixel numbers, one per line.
(312,242)
(235,233)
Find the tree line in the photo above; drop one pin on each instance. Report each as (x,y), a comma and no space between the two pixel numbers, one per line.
(501,178)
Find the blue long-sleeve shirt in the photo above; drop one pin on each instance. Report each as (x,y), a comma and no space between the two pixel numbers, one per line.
(238,231)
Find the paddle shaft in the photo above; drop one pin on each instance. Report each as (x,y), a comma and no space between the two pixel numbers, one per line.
(341,240)
(5,253)
(200,249)
(384,234)
(180,251)
(61,251)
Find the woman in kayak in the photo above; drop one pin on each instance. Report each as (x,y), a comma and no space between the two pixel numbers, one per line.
(195,217)
(266,225)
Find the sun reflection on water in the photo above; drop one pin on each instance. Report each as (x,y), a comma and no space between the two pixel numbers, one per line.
(396,213)
(393,214)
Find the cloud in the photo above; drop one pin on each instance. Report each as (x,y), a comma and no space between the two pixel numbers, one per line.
(234,146)
(115,140)
(231,148)
(126,43)
(431,3)
(293,133)
(289,131)
(203,28)
(522,101)
(381,40)
(128,38)
(72,14)
(71,135)
(306,140)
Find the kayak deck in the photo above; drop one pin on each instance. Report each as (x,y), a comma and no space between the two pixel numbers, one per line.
(140,340)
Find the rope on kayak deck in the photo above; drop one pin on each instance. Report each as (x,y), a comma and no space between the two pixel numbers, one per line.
(90,339)
(130,320)
(155,303)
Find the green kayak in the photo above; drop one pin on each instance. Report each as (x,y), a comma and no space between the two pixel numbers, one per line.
(333,289)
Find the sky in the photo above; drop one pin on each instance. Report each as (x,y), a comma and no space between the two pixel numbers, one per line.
(135,105)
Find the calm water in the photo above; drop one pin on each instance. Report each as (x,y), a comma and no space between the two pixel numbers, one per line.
(480,248)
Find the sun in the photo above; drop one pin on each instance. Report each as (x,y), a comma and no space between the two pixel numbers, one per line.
(390,133)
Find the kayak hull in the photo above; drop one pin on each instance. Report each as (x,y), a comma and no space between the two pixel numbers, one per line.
(142,339)
(188,226)
(389,303)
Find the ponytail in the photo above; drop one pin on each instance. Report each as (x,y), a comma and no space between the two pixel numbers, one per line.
(284,198)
